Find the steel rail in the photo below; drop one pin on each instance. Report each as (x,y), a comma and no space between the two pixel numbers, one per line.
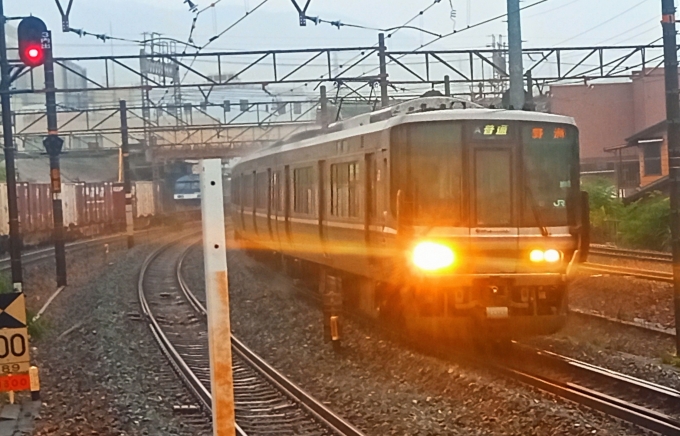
(598,268)
(644,325)
(625,253)
(610,405)
(274,377)
(176,360)
(48,253)
(639,415)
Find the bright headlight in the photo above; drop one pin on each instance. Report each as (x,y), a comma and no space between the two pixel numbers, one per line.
(431,256)
(537,256)
(550,256)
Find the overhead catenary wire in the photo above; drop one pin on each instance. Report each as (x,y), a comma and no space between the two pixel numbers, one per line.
(603,22)
(214,38)
(389,35)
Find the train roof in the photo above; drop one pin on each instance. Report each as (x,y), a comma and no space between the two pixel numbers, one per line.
(189,178)
(414,111)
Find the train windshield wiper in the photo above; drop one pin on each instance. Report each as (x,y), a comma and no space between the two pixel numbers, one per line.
(536,211)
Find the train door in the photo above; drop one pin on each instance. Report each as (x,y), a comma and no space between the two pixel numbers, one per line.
(269,204)
(253,194)
(277,206)
(286,199)
(322,204)
(493,226)
(241,196)
(371,219)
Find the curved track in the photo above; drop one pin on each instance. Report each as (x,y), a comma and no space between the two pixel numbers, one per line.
(266,402)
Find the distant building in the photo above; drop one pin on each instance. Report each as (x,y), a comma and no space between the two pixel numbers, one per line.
(610,117)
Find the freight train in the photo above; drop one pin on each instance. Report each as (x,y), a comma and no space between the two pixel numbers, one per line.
(451,219)
(89,209)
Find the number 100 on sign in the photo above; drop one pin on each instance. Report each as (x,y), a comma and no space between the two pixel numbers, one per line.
(13,348)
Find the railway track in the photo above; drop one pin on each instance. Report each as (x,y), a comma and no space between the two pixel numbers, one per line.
(624,253)
(39,255)
(266,402)
(637,401)
(598,268)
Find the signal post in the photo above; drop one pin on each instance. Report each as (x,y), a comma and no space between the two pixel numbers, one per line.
(35,49)
(16,373)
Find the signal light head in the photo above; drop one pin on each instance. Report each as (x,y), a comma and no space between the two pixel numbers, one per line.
(32,33)
(33,55)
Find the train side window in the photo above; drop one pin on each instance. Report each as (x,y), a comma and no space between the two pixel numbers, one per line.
(248,190)
(344,190)
(277,192)
(303,190)
(262,190)
(236,190)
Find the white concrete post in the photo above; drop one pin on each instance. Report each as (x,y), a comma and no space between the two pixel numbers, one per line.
(217,292)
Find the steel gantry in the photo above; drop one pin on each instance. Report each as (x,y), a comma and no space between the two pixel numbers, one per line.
(178,101)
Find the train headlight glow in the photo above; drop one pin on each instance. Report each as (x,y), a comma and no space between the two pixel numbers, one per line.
(432,256)
(550,256)
(537,256)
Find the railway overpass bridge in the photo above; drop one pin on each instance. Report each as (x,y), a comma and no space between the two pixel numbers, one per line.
(163,138)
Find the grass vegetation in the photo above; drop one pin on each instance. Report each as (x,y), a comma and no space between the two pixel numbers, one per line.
(644,224)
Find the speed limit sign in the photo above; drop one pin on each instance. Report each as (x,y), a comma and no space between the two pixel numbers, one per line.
(14,355)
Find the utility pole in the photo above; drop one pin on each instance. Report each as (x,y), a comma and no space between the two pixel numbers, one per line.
(127,181)
(515,55)
(53,145)
(673,118)
(384,97)
(14,231)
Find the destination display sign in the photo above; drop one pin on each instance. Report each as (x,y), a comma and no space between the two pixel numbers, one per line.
(492,131)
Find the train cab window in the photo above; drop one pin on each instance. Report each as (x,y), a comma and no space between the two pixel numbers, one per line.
(344,190)
(303,189)
(549,180)
(262,190)
(427,166)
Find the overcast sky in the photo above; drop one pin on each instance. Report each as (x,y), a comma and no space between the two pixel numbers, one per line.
(275,25)
(565,23)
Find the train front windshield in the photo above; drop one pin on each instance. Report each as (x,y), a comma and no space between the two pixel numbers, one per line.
(187,187)
(485,174)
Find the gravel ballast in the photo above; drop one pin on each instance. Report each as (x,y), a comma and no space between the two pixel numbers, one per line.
(381,386)
(101,372)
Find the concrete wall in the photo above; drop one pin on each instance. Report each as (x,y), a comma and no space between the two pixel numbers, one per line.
(608,113)
(649,98)
(604,114)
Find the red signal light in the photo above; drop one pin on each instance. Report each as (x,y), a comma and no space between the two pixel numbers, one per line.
(34,55)
(34,39)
